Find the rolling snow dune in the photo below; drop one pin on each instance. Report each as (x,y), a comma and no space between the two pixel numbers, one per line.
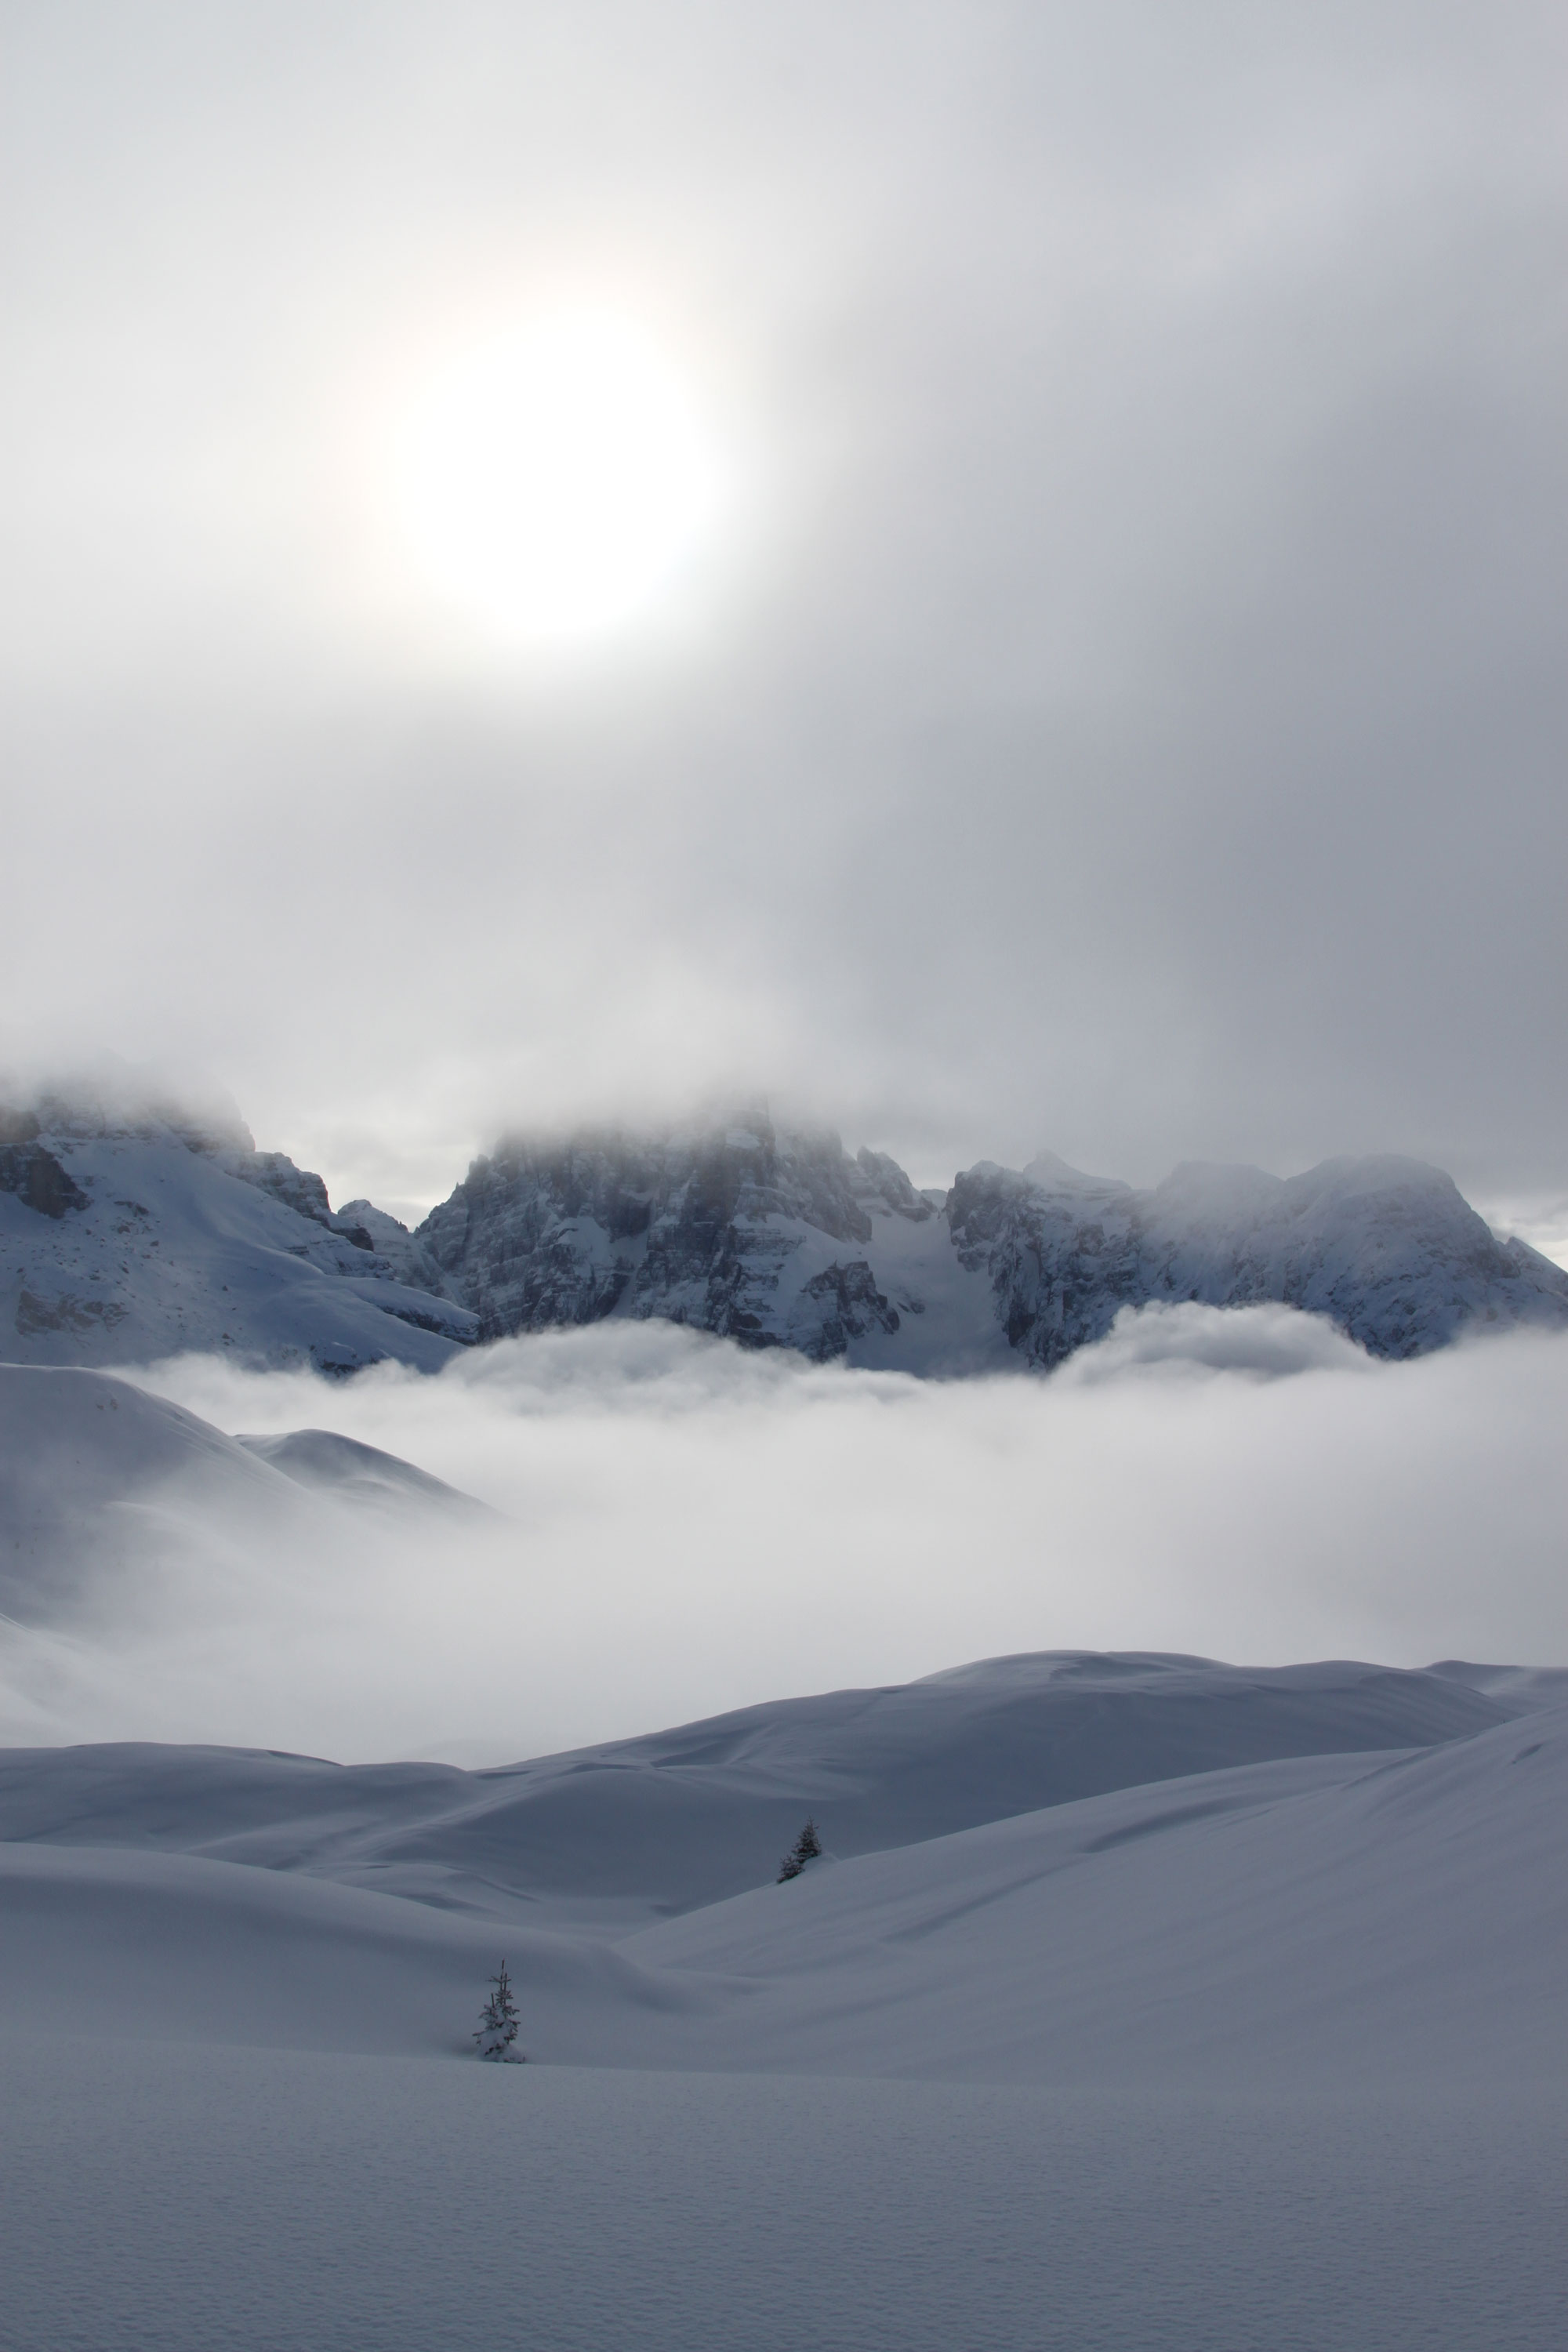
(1313,1921)
(95,1475)
(636,1829)
(1271,2054)
(327,1464)
(1305,1922)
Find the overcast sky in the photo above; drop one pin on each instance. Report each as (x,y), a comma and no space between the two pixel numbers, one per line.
(1116,701)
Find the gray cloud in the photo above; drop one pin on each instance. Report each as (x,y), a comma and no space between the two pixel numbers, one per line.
(1130,717)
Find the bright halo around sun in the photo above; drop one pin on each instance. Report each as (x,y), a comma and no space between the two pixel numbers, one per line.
(558,483)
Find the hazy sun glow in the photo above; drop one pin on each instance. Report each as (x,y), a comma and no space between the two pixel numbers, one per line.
(557,482)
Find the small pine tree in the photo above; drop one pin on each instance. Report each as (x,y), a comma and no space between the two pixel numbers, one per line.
(807,1848)
(498,2023)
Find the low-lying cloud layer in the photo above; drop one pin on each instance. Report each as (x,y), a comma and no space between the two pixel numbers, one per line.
(689,1528)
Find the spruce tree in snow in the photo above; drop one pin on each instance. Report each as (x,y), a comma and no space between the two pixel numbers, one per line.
(498,2023)
(807,1848)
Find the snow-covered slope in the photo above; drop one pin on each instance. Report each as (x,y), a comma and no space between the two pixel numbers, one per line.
(95,1475)
(1325,1919)
(617,1834)
(1404,1916)
(123,1239)
(1272,2054)
(782,1240)
(349,1471)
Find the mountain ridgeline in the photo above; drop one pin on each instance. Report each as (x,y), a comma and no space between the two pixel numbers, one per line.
(125,1239)
(786,1240)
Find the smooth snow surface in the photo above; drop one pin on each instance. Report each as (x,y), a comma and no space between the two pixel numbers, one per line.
(168,2199)
(1264,2057)
(634,1830)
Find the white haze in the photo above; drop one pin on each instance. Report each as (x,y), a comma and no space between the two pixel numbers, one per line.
(691,1528)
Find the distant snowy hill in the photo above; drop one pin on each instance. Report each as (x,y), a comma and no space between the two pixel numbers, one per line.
(97,1478)
(125,1238)
(782,1240)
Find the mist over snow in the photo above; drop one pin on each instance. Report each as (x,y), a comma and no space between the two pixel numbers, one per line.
(686,1528)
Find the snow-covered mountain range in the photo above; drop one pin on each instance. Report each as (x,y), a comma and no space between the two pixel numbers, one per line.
(123,1239)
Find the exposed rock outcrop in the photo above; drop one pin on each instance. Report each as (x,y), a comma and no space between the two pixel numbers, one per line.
(757,1236)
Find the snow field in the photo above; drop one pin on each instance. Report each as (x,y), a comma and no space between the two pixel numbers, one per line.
(184,2199)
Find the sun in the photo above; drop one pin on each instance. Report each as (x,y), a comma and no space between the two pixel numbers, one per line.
(557,482)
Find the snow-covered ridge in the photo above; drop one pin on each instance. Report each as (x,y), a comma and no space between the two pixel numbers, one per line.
(123,1239)
(128,1237)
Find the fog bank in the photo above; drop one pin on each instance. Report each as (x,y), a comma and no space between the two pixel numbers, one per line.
(688,1528)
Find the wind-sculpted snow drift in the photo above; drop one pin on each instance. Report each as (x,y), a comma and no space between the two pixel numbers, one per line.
(128,1237)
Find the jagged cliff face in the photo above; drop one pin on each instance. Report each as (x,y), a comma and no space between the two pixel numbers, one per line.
(776,1240)
(1387,1248)
(756,1235)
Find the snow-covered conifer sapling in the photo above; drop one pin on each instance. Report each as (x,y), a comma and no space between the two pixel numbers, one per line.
(498,2023)
(807,1848)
